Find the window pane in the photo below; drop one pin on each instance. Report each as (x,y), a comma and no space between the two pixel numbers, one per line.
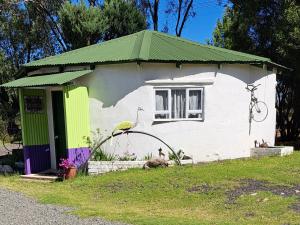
(33,104)
(178,103)
(161,116)
(161,100)
(194,115)
(194,100)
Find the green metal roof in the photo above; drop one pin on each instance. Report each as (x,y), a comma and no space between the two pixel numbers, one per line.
(148,46)
(46,80)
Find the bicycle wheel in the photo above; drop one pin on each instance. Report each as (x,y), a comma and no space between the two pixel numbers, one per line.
(259,111)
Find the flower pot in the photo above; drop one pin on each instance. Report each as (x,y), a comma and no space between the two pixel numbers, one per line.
(71,173)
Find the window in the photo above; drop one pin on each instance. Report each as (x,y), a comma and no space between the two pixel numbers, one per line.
(179,103)
(33,104)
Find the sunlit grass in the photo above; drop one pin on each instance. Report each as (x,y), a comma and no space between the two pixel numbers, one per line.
(161,196)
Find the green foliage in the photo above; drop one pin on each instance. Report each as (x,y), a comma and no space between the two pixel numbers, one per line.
(30,30)
(8,98)
(123,18)
(81,25)
(24,36)
(101,155)
(179,155)
(148,156)
(272,29)
(220,34)
(127,157)
(84,25)
(98,154)
(193,195)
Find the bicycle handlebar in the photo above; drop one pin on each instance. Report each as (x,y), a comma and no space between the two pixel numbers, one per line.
(252,86)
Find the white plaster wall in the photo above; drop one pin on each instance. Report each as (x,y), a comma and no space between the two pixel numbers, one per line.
(116,91)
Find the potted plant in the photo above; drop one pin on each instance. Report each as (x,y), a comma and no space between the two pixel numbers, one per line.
(69,169)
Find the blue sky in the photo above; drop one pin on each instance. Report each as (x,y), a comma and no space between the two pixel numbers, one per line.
(201,27)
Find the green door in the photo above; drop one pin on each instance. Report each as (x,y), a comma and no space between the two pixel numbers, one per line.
(59,125)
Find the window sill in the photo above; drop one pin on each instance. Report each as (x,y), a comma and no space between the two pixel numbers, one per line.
(175,82)
(175,120)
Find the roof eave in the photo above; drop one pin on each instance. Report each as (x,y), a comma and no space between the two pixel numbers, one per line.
(279,66)
(139,60)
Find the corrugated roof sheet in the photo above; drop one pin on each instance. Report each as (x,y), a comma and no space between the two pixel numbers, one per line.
(150,46)
(45,80)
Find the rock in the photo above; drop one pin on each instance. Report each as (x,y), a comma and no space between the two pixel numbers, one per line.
(6,169)
(253,194)
(264,145)
(154,163)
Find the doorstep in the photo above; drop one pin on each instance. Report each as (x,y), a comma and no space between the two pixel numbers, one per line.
(48,176)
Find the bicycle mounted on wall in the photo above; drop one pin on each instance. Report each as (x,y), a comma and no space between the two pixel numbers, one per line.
(258,110)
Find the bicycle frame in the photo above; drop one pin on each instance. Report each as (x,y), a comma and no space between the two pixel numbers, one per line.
(254,103)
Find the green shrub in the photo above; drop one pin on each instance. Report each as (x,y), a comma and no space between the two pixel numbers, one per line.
(179,155)
(98,154)
(148,156)
(127,157)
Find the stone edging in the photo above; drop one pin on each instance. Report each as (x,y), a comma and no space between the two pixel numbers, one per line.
(100,167)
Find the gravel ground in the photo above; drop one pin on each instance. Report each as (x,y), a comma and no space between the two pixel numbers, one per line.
(16,209)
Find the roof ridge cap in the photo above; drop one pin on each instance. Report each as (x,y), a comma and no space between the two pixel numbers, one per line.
(147,35)
(140,44)
(176,38)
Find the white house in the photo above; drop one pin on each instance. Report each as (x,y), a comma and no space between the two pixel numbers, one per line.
(193,97)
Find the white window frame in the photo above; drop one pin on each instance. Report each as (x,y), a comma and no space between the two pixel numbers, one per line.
(169,111)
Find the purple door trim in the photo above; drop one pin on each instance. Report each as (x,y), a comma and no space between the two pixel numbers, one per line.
(36,158)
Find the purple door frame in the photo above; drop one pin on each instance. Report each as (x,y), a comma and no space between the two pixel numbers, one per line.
(36,158)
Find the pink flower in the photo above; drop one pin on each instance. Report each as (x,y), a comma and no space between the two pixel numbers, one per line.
(65,164)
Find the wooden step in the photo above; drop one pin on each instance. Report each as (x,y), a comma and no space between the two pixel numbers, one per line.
(40,177)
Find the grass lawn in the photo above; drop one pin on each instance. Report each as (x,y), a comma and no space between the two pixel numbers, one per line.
(249,191)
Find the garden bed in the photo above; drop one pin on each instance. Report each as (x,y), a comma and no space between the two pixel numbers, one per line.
(100,167)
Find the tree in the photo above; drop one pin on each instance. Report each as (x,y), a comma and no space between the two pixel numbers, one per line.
(122,18)
(81,25)
(182,9)
(269,28)
(153,7)
(23,37)
(47,10)
(8,99)
(32,29)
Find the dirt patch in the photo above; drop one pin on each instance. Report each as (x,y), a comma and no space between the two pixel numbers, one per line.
(249,214)
(203,188)
(115,187)
(296,206)
(251,186)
